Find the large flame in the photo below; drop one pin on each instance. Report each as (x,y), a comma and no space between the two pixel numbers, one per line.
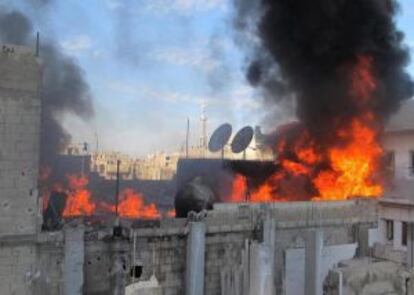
(343,169)
(352,166)
(79,201)
(238,190)
(132,205)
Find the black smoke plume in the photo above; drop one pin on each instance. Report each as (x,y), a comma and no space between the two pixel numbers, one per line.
(308,48)
(63,90)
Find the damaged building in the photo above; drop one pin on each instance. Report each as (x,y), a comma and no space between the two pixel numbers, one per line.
(359,246)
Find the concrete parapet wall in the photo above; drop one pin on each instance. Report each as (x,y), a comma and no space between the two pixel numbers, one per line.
(301,214)
(160,248)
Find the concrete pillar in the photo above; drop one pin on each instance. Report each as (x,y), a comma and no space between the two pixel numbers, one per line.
(313,262)
(410,245)
(119,249)
(397,234)
(74,259)
(195,259)
(245,266)
(363,240)
(340,282)
(382,227)
(261,270)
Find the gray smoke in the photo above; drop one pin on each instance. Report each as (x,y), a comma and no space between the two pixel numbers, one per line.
(64,89)
(220,77)
(39,3)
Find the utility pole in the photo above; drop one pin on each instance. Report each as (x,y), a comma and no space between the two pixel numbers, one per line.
(118,163)
(187,138)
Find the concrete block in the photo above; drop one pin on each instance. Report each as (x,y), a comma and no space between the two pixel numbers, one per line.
(313,262)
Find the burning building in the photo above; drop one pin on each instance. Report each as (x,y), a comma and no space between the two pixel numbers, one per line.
(347,75)
(310,223)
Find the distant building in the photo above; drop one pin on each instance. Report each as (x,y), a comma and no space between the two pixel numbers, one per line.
(158,166)
(105,164)
(398,143)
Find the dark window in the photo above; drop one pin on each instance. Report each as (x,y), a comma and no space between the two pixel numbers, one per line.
(404,233)
(389,162)
(136,271)
(389,230)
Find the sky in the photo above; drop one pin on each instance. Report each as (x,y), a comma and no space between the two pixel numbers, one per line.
(151,64)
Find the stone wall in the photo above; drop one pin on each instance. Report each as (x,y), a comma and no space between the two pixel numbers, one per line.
(161,250)
(48,279)
(369,276)
(19,150)
(164,254)
(17,267)
(19,140)
(160,247)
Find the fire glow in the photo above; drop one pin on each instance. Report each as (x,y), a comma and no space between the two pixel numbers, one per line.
(80,202)
(347,167)
(132,205)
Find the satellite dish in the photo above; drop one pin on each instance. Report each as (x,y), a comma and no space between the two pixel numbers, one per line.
(242,139)
(219,138)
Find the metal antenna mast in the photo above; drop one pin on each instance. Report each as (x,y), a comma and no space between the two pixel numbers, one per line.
(203,121)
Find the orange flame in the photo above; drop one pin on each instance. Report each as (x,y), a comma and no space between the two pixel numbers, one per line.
(343,169)
(294,167)
(170,213)
(238,190)
(263,194)
(79,202)
(352,166)
(132,206)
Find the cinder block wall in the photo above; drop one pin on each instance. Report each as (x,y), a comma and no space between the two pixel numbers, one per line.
(19,150)
(17,265)
(19,140)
